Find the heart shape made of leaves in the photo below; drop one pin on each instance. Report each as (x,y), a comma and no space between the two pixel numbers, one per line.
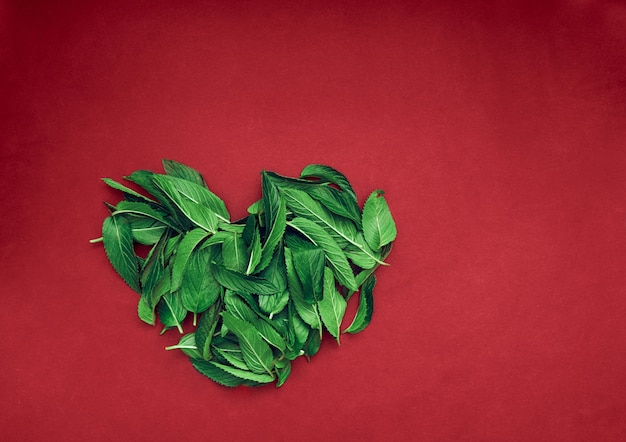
(262,289)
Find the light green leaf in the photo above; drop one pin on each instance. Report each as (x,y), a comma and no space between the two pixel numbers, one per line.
(256,351)
(234,253)
(366,307)
(332,306)
(187,345)
(145,311)
(195,201)
(174,168)
(146,231)
(334,255)
(254,251)
(379,228)
(118,245)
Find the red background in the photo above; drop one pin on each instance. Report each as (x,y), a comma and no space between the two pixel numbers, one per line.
(497,130)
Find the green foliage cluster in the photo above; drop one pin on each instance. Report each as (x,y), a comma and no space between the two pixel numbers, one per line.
(262,289)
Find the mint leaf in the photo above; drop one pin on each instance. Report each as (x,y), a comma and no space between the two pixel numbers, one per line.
(176,169)
(118,244)
(335,256)
(243,283)
(256,351)
(185,248)
(378,225)
(234,253)
(332,306)
(365,310)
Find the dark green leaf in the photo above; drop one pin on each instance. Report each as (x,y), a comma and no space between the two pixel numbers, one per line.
(276,228)
(243,283)
(331,175)
(256,351)
(127,191)
(118,244)
(312,345)
(283,373)
(309,266)
(171,312)
(185,248)
(206,328)
(216,374)
(366,307)
(307,309)
(247,375)
(199,289)
(238,307)
(334,255)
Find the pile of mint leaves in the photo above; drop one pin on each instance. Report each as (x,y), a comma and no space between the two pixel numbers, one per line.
(259,291)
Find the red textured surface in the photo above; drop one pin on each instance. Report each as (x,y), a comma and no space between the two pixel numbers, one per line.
(496,129)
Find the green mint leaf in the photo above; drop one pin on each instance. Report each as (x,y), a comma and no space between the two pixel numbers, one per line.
(176,169)
(312,345)
(239,282)
(234,253)
(306,308)
(238,307)
(309,266)
(145,311)
(187,345)
(276,227)
(172,313)
(254,251)
(185,248)
(334,255)
(256,351)
(216,374)
(331,175)
(118,245)
(206,328)
(332,306)
(197,203)
(365,310)
(379,228)
(282,373)
(199,289)
(129,193)
(146,231)
(247,375)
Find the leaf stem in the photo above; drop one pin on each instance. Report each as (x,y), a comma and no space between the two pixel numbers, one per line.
(96,240)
